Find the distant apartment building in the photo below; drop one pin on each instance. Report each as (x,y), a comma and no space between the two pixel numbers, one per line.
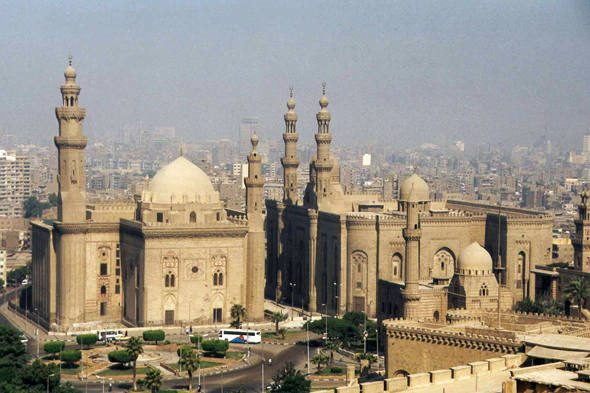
(3,270)
(248,127)
(15,183)
(586,143)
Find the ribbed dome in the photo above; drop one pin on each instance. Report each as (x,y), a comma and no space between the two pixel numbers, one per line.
(179,178)
(474,258)
(420,188)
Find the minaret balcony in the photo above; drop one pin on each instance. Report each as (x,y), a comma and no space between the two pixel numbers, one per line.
(254,183)
(69,113)
(323,138)
(290,137)
(66,142)
(324,165)
(411,234)
(289,162)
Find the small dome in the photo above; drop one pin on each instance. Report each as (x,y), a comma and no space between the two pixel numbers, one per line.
(291,103)
(421,189)
(324,101)
(70,72)
(475,258)
(254,139)
(179,178)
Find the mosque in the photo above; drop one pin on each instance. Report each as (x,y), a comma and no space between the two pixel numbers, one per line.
(175,256)
(413,257)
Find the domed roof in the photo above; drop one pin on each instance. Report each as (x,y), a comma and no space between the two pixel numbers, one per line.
(180,177)
(474,257)
(70,72)
(421,190)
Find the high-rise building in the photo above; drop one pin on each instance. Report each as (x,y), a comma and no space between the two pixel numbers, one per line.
(248,127)
(15,183)
(586,144)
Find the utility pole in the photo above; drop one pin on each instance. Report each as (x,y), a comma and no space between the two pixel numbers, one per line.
(262,356)
(326,315)
(293,285)
(307,329)
(499,265)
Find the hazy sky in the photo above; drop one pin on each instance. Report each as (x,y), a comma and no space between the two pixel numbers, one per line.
(401,72)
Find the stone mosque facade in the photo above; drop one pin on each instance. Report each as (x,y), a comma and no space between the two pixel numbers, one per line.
(175,256)
(413,258)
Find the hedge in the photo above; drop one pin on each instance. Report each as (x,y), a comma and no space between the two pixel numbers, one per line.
(87,339)
(71,356)
(196,339)
(54,347)
(154,335)
(120,357)
(217,346)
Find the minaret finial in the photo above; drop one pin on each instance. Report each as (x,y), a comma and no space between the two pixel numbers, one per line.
(70,59)
(291,88)
(324,88)
(181,151)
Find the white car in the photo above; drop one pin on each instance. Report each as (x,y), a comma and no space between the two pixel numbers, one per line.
(25,281)
(23,339)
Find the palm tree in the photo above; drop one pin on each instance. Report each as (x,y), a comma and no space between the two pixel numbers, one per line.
(282,332)
(134,349)
(367,356)
(320,360)
(238,312)
(278,317)
(332,346)
(190,362)
(577,291)
(153,380)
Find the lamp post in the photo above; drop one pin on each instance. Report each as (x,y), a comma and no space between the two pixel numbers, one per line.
(326,315)
(49,376)
(336,298)
(365,334)
(293,285)
(307,330)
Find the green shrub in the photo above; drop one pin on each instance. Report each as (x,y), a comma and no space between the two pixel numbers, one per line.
(54,347)
(71,356)
(122,357)
(166,342)
(196,339)
(215,346)
(87,339)
(154,335)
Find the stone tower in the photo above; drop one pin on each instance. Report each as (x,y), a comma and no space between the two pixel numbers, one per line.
(290,161)
(412,234)
(581,241)
(323,164)
(256,249)
(70,144)
(71,227)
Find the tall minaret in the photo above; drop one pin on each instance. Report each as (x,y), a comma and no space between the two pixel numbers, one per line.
(323,163)
(256,248)
(412,234)
(290,161)
(71,203)
(580,240)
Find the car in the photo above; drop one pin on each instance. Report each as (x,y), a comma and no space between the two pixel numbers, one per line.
(23,339)
(25,281)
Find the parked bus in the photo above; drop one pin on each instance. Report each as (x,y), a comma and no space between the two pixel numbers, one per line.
(240,336)
(109,335)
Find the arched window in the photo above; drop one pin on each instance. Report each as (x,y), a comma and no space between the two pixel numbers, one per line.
(103,290)
(71,101)
(215,279)
(172,280)
(220,278)
(484,291)
(167,284)
(193,217)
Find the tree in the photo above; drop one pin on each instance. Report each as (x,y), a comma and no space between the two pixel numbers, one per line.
(237,312)
(134,349)
(366,356)
(34,208)
(153,380)
(577,291)
(290,380)
(52,198)
(340,329)
(54,347)
(182,350)
(2,283)
(332,346)
(87,339)
(283,332)
(320,360)
(121,357)
(528,305)
(215,346)
(276,318)
(190,362)
(19,274)
(196,339)
(154,335)
(357,318)
(12,350)
(71,356)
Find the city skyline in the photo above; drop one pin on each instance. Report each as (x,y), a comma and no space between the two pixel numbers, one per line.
(397,73)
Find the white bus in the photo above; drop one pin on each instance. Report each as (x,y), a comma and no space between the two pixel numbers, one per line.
(109,335)
(240,336)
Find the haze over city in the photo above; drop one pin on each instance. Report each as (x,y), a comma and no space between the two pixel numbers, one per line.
(397,72)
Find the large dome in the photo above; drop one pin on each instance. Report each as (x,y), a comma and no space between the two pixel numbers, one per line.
(420,188)
(181,181)
(474,258)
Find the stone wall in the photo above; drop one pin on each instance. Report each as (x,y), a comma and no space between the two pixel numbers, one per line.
(411,349)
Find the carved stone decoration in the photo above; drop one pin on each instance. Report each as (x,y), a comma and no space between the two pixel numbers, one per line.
(194,269)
